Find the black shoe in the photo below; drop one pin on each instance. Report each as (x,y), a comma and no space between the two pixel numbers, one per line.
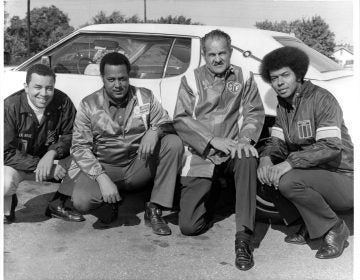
(243,254)
(300,237)
(58,210)
(153,219)
(8,219)
(334,242)
(107,212)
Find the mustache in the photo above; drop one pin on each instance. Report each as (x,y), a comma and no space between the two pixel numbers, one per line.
(216,63)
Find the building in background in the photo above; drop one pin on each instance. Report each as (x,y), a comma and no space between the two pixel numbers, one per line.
(344,55)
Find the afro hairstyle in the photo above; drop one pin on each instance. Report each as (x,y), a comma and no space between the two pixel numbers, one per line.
(291,57)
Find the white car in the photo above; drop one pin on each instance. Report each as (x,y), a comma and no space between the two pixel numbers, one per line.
(161,54)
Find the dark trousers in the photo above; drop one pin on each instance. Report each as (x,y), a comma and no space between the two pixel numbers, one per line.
(161,170)
(195,192)
(317,193)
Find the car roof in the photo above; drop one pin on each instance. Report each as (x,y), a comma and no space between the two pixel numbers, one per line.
(246,38)
(175,29)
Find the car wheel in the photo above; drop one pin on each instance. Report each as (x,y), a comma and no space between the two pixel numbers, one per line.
(265,208)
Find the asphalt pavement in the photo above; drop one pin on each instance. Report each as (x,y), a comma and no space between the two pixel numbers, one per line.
(36,247)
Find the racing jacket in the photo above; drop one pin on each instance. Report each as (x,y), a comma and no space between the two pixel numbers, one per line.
(100,137)
(26,140)
(209,106)
(311,133)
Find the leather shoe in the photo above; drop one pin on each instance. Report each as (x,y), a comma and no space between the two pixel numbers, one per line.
(334,242)
(61,212)
(299,237)
(8,219)
(243,254)
(153,218)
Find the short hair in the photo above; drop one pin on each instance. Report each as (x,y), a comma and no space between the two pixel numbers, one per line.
(215,34)
(40,69)
(114,58)
(292,57)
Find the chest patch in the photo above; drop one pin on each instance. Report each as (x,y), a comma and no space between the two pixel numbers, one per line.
(304,129)
(233,87)
(141,110)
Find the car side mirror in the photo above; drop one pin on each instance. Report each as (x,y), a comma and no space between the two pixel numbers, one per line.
(46,60)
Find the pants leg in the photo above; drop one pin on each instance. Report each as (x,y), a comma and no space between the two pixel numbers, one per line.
(162,168)
(244,171)
(194,194)
(316,194)
(169,160)
(12,179)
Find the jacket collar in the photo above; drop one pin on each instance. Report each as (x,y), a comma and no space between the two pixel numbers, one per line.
(24,105)
(304,90)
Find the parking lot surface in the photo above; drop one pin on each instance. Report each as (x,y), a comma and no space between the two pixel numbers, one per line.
(36,247)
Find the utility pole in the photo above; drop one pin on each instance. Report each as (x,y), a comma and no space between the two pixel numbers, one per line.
(145,11)
(28,27)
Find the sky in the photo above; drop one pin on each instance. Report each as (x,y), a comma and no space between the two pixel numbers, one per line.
(244,13)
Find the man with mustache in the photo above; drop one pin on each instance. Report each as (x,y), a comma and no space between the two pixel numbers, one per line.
(219,116)
(123,140)
(38,122)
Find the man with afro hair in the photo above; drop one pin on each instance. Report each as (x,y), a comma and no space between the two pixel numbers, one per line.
(309,157)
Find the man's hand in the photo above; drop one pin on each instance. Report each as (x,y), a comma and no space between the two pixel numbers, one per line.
(108,189)
(275,172)
(263,169)
(43,169)
(59,172)
(147,144)
(225,145)
(244,145)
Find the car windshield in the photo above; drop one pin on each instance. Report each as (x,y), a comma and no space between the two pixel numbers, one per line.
(151,57)
(319,61)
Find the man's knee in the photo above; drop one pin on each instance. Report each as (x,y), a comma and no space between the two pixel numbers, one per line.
(249,162)
(172,143)
(188,227)
(11,180)
(290,185)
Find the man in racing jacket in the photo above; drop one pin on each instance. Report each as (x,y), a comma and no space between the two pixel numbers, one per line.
(123,140)
(219,115)
(38,124)
(309,156)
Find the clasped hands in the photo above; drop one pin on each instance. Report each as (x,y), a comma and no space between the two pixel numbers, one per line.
(233,147)
(270,174)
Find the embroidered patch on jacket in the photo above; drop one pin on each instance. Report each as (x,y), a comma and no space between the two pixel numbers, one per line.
(233,87)
(51,137)
(141,110)
(304,129)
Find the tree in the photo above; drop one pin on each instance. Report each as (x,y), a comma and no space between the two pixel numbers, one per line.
(48,25)
(313,32)
(114,17)
(43,23)
(118,17)
(174,20)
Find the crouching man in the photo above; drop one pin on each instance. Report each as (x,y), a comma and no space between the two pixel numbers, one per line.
(219,116)
(122,140)
(309,157)
(38,123)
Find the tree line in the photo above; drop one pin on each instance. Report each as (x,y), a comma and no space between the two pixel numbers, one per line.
(50,24)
